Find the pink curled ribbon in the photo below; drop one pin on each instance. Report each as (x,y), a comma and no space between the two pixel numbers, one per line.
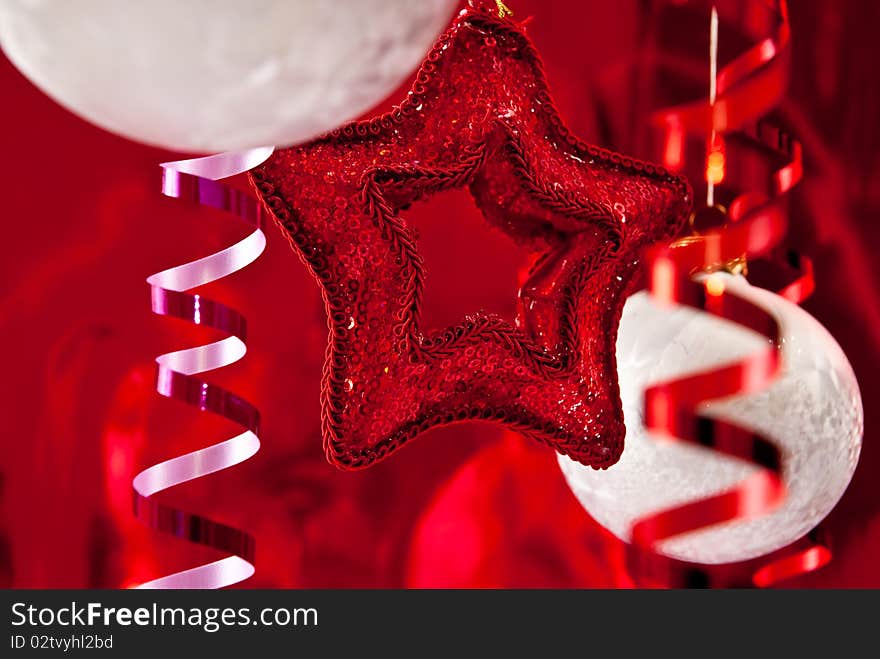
(197,181)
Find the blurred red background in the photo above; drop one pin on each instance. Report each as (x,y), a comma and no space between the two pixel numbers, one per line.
(466,505)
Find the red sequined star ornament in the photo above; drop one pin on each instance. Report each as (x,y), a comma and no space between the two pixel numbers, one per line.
(479,115)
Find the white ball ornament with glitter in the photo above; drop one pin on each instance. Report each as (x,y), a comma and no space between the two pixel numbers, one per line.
(812,411)
(216,75)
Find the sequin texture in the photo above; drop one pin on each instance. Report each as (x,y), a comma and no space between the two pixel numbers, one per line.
(479,115)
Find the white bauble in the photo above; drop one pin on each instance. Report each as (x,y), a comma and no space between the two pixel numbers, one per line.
(214,75)
(813,412)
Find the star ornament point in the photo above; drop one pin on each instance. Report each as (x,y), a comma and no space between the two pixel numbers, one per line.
(479,116)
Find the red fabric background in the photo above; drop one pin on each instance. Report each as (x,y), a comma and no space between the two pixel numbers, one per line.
(463,506)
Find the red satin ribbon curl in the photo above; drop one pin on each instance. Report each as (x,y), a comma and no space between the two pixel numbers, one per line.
(747,88)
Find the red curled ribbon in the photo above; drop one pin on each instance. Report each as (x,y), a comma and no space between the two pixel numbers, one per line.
(748,88)
(197,181)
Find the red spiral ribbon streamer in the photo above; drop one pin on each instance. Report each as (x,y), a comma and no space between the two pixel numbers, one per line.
(197,181)
(747,89)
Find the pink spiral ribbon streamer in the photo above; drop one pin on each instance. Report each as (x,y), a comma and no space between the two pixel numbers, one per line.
(197,181)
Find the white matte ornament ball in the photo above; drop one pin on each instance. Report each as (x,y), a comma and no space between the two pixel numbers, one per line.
(812,411)
(216,75)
